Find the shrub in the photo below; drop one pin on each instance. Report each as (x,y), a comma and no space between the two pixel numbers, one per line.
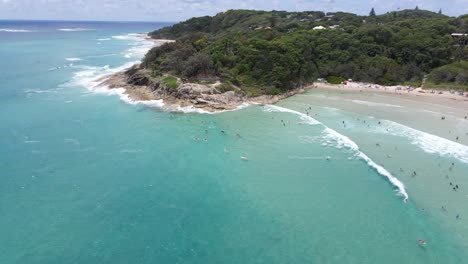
(455,72)
(335,80)
(171,82)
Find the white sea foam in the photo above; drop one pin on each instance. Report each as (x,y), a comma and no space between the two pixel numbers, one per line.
(307,119)
(74,29)
(31,141)
(103,39)
(139,42)
(131,36)
(92,77)
(331,136)
(375,104)
(12,30)
(37,91)
(103,55)
(429,143)
(73,59)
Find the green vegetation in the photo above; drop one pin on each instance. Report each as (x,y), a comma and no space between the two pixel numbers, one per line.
(335,79)
(271,52)
(453,73)
(171,82)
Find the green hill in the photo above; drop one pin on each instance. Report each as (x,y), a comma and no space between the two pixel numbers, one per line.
(270,52)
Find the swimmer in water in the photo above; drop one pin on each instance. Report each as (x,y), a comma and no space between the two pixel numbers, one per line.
(422,242)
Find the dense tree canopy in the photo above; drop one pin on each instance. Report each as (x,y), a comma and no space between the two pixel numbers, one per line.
(281,50)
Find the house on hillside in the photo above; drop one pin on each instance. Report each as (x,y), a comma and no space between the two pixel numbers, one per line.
(460,38)
(318,28)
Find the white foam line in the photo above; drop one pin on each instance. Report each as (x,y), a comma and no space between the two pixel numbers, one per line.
(73,59)
(11,30)
(74,29)
(343,140)
(304,117)
(375,104)
(428,142)
(91,78)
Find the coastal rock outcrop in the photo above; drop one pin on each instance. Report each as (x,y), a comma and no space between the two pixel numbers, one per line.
(140,85)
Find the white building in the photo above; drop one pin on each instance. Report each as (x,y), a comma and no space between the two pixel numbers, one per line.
(318,28)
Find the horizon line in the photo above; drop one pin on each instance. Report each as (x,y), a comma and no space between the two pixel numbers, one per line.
(85,20)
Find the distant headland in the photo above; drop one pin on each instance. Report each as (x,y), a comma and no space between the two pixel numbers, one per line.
(240,56)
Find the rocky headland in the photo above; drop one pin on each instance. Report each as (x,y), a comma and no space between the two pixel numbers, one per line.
(211,96)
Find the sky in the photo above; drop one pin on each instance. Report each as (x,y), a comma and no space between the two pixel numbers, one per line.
(178,10)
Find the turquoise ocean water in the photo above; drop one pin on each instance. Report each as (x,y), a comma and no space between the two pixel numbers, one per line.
(89,178)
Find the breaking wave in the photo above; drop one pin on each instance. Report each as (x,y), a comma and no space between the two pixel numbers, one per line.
(428,142)
(73,59)
(340,141)
(12,30)
(74,29)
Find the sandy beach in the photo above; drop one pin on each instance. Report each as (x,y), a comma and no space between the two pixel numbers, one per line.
(398,89)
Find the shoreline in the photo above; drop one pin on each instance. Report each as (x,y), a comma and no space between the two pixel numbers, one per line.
(396,90)
(207,98)
(203,98)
